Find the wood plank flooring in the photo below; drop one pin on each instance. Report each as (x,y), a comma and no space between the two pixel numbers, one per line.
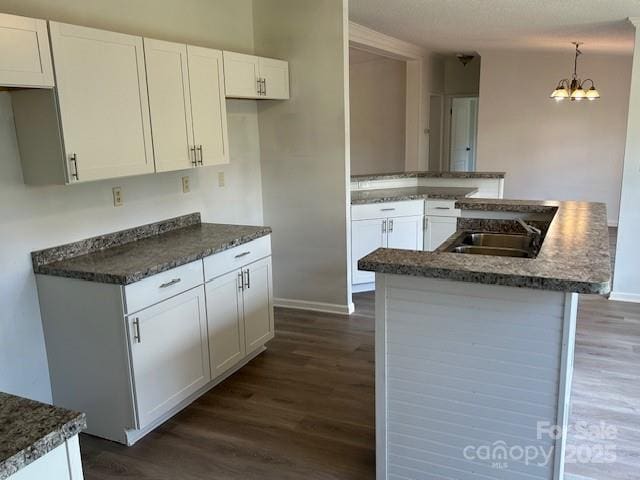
(305,408)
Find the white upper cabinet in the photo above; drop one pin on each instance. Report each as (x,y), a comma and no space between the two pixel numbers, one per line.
(187,103)
(170,105)
(102,95)
(208,104)
(25,57)
(249,76)
(275,78)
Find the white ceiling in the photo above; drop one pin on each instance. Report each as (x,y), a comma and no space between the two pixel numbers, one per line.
(451,26)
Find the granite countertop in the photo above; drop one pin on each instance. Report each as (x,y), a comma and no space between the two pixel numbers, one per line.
(359,197)
(131,255)
(30,430)
(574,256)
(425,174)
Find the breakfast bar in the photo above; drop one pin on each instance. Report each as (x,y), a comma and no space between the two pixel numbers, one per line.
(474,352)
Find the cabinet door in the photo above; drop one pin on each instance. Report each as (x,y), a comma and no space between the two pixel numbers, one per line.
(104,111)
(257,304)
(366,236)
(224,320)
(275,75)
(405,232)
(438,230)
(241,75)
(25,58)
(170,105)
(169,354)
(208,104)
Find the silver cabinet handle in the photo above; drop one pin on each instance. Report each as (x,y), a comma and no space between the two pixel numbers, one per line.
(387,209)
(243,254)
(390,226)
(74,158)
(194,161)
(264,87)
(384,226)
(248,284)
(172,282)
(200,150)
(136,330)
(259,85)
(443,208)
(241,280)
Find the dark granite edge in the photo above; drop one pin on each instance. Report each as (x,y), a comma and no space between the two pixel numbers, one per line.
(490,278)
(126,279)
(42,446)
(506,205)
(408,197)
(426,174)
(110,240)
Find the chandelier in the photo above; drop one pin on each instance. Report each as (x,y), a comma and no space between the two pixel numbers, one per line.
(574,89)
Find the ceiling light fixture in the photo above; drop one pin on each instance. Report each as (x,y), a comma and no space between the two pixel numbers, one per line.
(574,89)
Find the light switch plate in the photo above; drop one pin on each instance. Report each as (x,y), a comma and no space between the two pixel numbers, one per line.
(118,199)
(186,185)
(221,179)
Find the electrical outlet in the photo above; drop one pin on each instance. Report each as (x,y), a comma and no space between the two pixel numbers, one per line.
(186,185)
(118,200)
(221,179)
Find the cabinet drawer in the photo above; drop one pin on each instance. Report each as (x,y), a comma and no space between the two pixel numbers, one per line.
(442,208)
(385,210)
(236,257)
(154,289)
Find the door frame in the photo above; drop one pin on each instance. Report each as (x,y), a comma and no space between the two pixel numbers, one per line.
(447,136)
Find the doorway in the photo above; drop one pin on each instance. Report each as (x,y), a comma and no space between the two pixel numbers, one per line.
(462,133)
(435,131)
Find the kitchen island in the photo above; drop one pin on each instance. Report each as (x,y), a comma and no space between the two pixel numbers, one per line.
(474,353)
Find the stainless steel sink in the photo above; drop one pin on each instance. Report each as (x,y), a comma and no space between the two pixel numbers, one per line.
(495,251)
(496,244)
(498,240)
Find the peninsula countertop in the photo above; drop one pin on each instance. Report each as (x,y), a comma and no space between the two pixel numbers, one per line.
(30,430)
(425,174)
(360,197)
(574,256)
(131,255)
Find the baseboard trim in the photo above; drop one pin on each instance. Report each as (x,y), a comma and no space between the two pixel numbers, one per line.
(314,306)
(624,297)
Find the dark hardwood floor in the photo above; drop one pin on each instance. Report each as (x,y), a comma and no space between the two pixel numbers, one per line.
(305,408)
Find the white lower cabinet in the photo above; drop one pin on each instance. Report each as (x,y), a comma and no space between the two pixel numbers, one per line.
(405,233)
(240,314)
(61,463)
(169,353)
(437,230)
(224,320)
(150,348)
(366,236)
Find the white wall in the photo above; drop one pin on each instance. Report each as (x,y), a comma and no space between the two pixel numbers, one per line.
(559,151)
(305,150)
(462,79)
(32,218)
(377,104)
(626,284)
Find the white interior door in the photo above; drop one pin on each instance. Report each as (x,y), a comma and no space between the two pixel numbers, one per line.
(464,113)
(438,230)
(405,233)
(241,75)
(102,90)
(208,104)
(275,74)
(366,236)
(224,319)
(257,303)
(169,353)
(170,105)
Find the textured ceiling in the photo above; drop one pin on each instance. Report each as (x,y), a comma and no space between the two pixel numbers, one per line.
(473,25)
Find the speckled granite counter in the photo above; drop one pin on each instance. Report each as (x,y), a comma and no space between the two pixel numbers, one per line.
(360,197)
(573,258)
(426,174)
(131,255)
(30,430)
